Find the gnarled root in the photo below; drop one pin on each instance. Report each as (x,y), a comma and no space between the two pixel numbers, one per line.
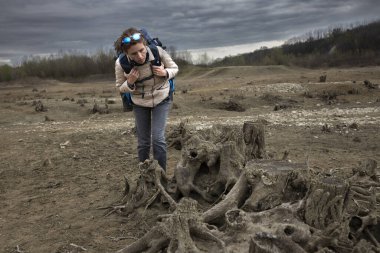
(231,201)
(145,190)
(175,231)
(270,182)
(153,241)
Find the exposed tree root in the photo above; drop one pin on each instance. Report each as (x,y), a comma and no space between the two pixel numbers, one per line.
(176,231)
(144,191)
(265,205)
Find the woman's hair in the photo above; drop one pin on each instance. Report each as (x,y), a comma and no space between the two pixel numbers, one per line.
(119,47)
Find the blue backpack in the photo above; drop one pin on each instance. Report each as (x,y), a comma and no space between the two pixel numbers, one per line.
(127,67)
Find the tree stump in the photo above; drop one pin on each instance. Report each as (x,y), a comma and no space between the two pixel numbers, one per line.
(175,136)
(264,205)
(262,185)
(254,138)
(231,164)
(39,107)
(100,109)
(273,183)
(176,232)
(144,190)
(211,161)
(325,202)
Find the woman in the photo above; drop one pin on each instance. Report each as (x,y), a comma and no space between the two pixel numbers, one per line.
(149,87)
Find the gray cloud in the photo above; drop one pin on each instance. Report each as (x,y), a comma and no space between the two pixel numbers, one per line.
(43,26)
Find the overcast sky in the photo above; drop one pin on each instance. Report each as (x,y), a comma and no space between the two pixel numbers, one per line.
(223,27)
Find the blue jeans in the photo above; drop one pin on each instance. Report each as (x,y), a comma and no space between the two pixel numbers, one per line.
(150,125)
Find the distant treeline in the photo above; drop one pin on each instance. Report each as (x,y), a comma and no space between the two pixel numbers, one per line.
(66,66)
(63,66)
(356,46)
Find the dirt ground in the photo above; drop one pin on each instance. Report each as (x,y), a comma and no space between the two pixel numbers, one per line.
(58,166)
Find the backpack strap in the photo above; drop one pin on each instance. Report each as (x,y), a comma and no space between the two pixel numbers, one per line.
(171,88)
(125,63)
(157,62)
(156,54)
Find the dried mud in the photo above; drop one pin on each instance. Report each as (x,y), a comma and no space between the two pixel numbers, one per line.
(56,173)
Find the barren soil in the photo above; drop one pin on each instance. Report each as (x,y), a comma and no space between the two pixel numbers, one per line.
(58,166)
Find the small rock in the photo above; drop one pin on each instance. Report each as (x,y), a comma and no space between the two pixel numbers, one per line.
(354,126)
(48,119)
(63,145)
(110,101)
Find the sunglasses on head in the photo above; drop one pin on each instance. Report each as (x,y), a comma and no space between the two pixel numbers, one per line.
(135,37)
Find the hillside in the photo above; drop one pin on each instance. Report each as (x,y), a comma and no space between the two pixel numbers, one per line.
(359,46)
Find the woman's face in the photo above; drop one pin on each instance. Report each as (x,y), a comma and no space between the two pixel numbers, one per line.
(137,53)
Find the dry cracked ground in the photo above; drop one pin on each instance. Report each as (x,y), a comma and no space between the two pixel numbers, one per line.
(60,161)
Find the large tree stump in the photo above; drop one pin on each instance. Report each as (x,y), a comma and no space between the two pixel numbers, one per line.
(211,161)
(280,191)
(261,205)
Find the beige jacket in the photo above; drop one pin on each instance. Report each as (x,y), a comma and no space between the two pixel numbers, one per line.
(148,93)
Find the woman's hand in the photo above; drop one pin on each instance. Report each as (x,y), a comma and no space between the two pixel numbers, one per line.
(159,71)
(133,76)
